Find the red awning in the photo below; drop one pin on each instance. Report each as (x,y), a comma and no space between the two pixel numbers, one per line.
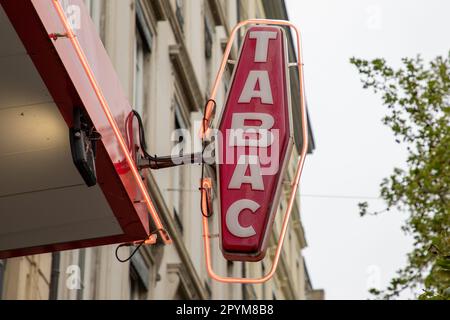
(44,203)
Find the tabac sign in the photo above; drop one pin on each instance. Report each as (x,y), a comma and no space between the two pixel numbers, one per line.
(255,144)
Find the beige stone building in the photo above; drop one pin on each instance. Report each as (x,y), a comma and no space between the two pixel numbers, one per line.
(166,53)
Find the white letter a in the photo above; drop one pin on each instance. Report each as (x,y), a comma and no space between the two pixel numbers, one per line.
(264,92)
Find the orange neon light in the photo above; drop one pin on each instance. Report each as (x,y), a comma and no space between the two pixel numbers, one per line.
(82,57)
(300,163)
(205,194)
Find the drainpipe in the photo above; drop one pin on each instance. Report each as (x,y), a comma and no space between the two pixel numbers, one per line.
(244,286)
(2,272)
(81,263)
(54,276)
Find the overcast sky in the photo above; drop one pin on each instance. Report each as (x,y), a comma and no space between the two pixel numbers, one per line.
(346,253)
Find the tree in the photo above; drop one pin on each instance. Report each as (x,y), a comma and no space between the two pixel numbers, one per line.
(417,98)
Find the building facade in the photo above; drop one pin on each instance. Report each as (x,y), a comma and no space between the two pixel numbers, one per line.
(166,54)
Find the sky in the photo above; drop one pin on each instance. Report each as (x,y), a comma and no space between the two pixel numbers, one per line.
(347,254)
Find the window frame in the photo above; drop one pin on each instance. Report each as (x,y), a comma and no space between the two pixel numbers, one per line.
(179,173)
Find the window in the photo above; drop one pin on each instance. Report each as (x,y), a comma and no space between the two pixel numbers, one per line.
(137,290)
(179,13)
(230,267)
(230,273)
(208,37)
(139,53)
(139,277)
(96,11)
(144,27)
(208,288)
(177,215)
(142,51)
(264,285)
(179,172)
(181,293)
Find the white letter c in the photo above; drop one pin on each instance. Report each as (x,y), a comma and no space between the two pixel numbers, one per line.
(232,218)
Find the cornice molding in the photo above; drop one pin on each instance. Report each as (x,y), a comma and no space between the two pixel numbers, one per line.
(169,15)
(150,14)
(186,74)
(158,9)
(185,279)
(179,55)
(218,15)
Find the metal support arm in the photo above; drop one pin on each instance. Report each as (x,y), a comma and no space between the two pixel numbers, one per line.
(156,163)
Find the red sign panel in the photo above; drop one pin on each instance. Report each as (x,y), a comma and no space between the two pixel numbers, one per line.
(254,144)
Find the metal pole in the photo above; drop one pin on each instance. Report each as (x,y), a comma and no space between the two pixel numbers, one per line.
(54,276)
(2,273)
(81,263)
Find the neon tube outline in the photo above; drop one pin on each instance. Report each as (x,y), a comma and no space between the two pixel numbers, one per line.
(300,163)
